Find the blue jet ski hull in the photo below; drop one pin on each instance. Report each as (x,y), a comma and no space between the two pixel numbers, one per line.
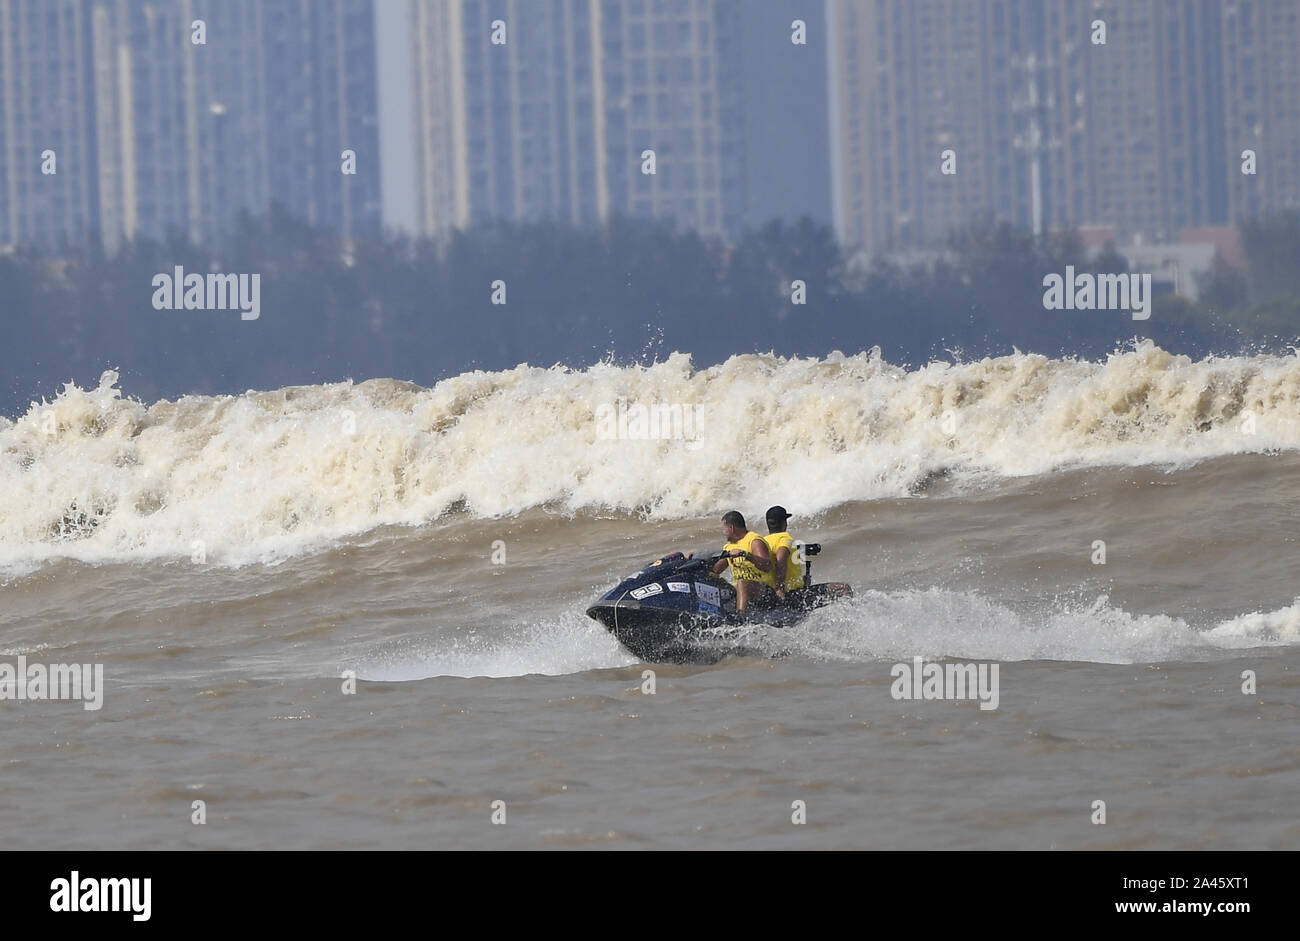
(677,611)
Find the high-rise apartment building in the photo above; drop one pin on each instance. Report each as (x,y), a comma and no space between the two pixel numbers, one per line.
(919,87)
(173,116)
(1261,88)
(531,109)
(318,58)
(48,197)
(1123,113)
(1133,126)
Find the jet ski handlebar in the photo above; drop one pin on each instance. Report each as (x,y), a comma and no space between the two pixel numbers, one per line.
(701,559)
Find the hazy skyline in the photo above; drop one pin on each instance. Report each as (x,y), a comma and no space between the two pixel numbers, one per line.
(398,176)
(1144,122)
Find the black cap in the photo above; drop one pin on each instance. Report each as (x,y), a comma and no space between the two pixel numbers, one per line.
(777,514)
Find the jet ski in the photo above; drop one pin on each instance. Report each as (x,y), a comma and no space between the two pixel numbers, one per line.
(675,610)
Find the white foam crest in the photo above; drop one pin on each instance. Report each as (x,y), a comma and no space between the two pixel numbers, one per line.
(1278,628)
(936,623)
(262,476)
(568,644)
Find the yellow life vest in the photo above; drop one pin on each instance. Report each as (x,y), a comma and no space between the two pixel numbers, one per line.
(793,565)
(743,568)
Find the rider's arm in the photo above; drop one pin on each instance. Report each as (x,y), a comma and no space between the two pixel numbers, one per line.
(782,567)
(762,559)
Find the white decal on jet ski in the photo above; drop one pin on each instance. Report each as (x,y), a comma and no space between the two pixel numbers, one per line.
(707,593)
(654,588)
(680,586)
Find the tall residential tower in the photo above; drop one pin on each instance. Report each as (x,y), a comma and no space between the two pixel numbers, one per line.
(528,109)
(173,116)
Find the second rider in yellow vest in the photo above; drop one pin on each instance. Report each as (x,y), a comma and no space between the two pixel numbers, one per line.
(787,560)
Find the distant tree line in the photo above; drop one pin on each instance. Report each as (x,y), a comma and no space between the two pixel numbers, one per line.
(630,291)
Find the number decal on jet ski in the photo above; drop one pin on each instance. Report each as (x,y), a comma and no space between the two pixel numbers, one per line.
(654,588)
(708,608)
(708,594)
(684,587)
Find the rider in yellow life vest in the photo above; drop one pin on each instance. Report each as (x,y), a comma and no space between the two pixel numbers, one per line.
(787,560)
(750,562)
